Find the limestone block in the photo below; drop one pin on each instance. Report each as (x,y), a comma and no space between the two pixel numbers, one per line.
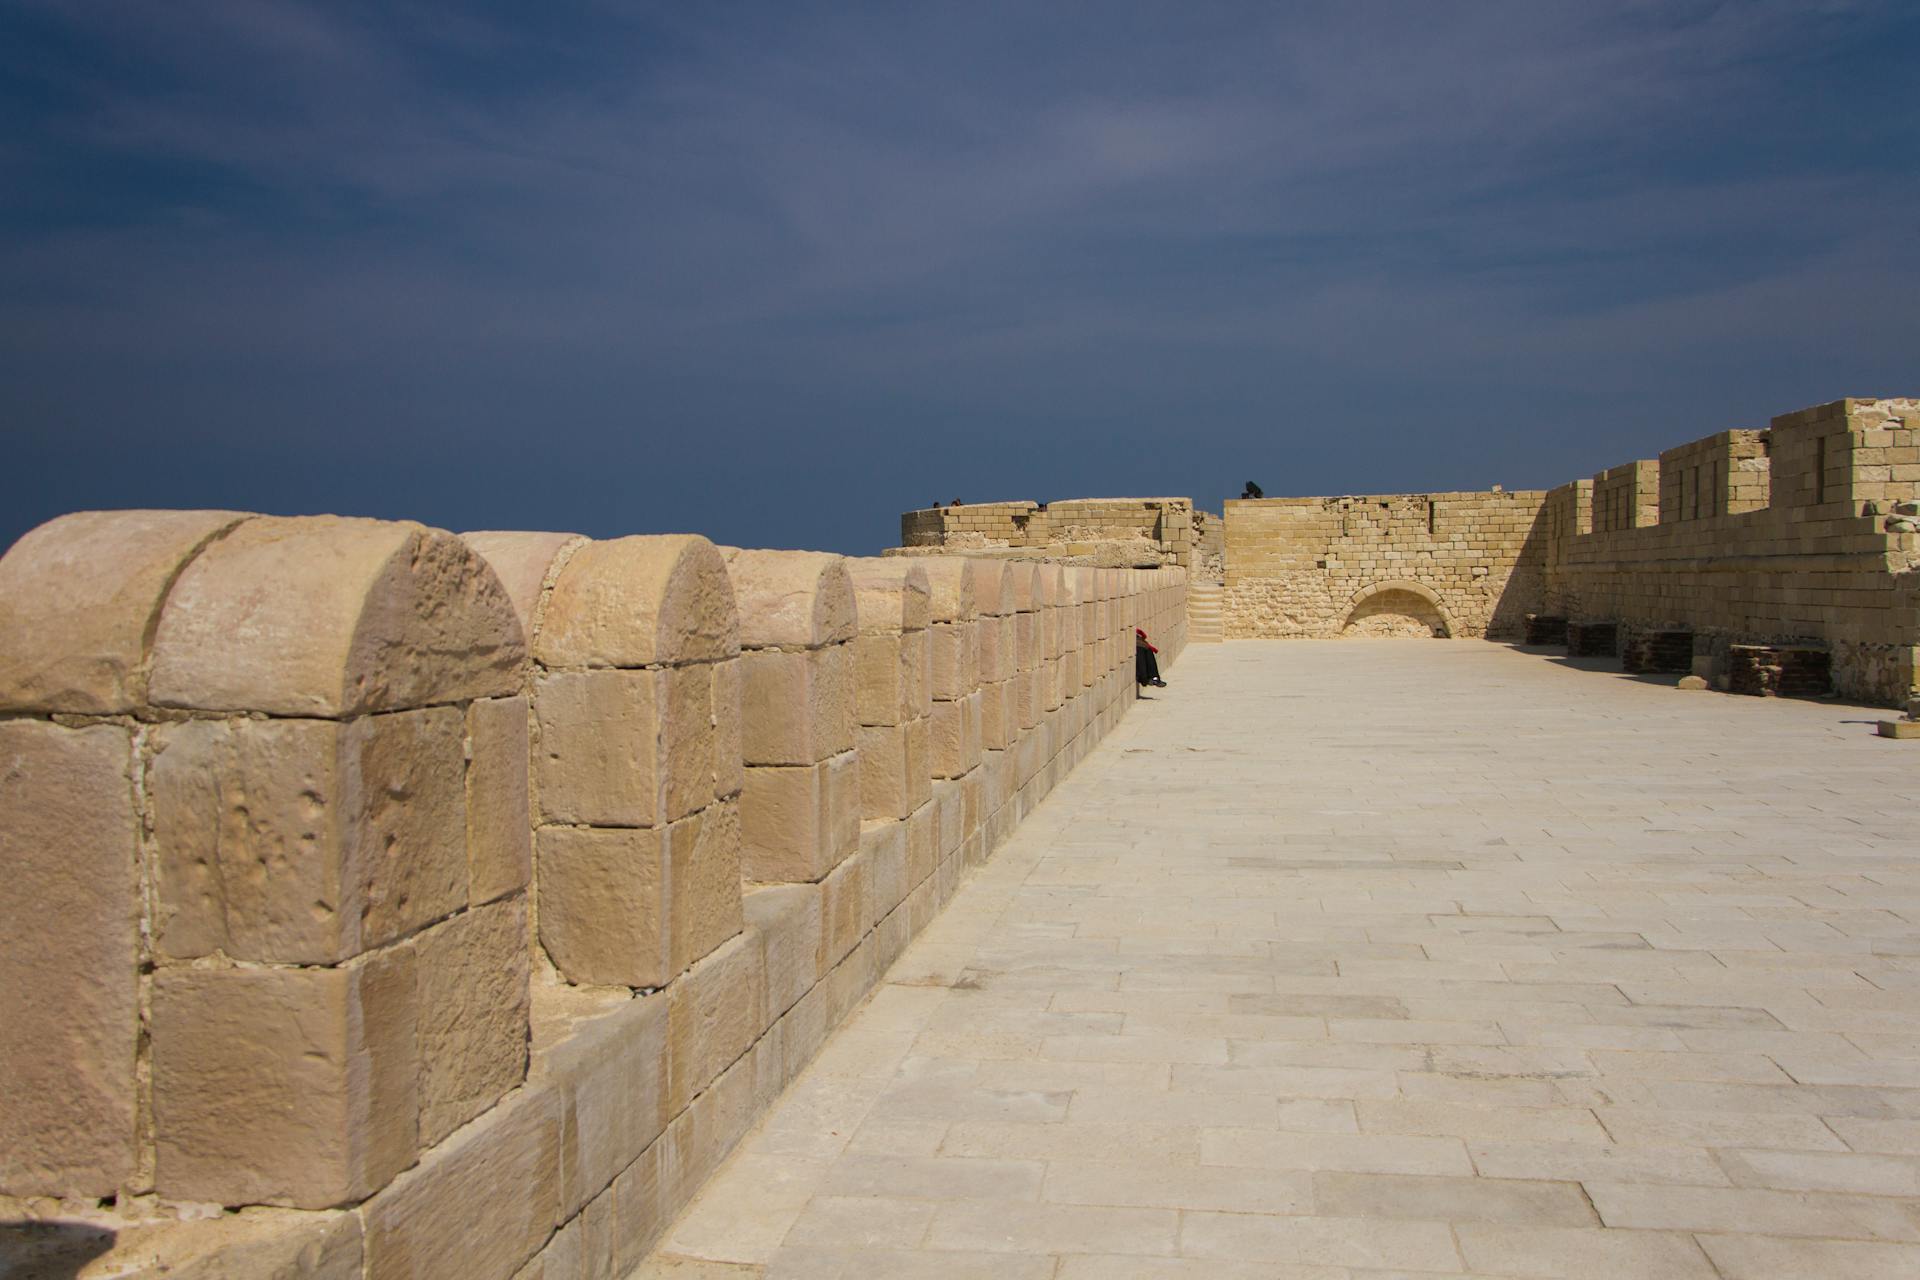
(999,716)
(715,1011)
(922,854)
(701,1136)
(472,1020)
(992,587)
(891,595)
(602,895)
(918,657)
(611,1077)
(798,707)
(950,806)
(327,616)
(798,823)
(1026,641)
(639,1209)
(294,1087)
(703,867)
(631,907)
(883,847)
(69,955)
(478,1205)
(78,599)
(1028,705)
(499,826)
(895,770)
(787,921)
(598,756)
(526,564)
(687,740)
(791,599)
(728,747)
(306,841)
(950,582)
(953,735)
(640,601)
(887,676)
(844,909)
(953,666)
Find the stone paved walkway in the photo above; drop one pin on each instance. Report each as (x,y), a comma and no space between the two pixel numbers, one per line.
(1388,958)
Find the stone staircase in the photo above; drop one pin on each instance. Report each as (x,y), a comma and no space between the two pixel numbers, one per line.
(1206,623)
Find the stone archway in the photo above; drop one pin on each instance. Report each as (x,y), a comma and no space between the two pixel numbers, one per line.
(1398,609)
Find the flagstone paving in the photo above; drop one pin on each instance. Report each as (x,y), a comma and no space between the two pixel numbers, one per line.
(1375,959)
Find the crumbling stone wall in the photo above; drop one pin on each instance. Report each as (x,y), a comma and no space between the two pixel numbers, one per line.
(1457,564)
(1795,534)
(1769,537)
(403,894)
(1149,531)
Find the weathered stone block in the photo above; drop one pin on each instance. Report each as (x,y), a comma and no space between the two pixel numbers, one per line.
(611,1076)
(478,1205)
(499,825)
(895,771)
(798,707)
(602,895)
(845,908)
(69,956)
(78,600)
(472,1020)
(787,921)
(687,740)
(641,601)
(886,676)
(703,861)
(798,823)
(715,1011)
(307,841)
(295,1087)
(883,848)
(639,1210)
(598,760)
(999,719)
(924,843)
(526,564)
(729,757)
(791,599)
(954,666)
(329,616)
(953,737)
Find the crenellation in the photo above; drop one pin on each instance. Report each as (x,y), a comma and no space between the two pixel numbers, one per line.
(451,927)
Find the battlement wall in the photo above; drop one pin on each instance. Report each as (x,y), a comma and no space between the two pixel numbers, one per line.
(1787,535)
(448,905)
(1460,563)
(1161,529)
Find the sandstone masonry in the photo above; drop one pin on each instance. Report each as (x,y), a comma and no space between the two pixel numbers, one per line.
(451,906)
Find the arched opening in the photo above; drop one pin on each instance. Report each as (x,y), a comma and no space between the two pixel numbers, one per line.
(1395,611)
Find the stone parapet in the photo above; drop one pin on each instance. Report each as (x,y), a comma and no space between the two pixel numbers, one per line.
(404,894)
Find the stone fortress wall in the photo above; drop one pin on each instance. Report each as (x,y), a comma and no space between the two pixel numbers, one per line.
(1451,564)
(1799,535)
(1131,531)
(1795,535)
(386,903)
(1791,535)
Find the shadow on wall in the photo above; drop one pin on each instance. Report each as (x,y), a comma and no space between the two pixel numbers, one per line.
(50,1250)
(1525,590)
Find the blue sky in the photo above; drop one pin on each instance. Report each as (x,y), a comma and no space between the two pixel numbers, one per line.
(775,273)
